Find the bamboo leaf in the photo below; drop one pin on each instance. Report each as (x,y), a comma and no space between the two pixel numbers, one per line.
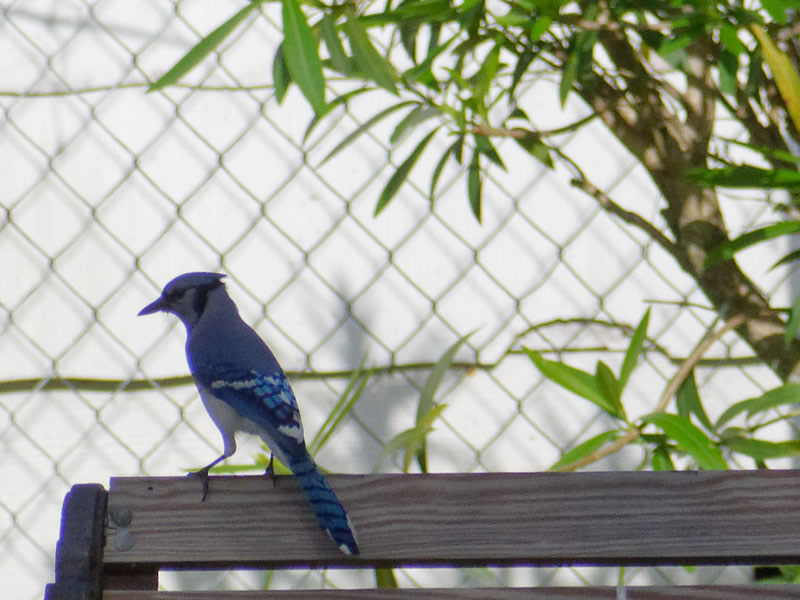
(745,176)
(385,578)
(690,439)
(688,402)
(791,257)
(418,114)
(786,394)
(426,397)
(474,185)
(576,381)
(329,107)
(484,146)
(401,174)
(728,67)
(726,250)
(202,49)
(609,387)
(411,439)
(794,321)
(351,394)
(330,35)
(765,151)
(369,60)
(763,450)
(365,127)
(533,145)
(584,449)
(661,460)
(301,54)
(280,75)
(437,171)
(786,77)
(634,350)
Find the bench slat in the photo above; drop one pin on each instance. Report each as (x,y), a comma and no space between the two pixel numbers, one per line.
(616,518)
(743,592)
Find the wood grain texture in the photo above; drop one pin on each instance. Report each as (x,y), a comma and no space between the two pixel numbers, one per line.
(743,592)
(618,518)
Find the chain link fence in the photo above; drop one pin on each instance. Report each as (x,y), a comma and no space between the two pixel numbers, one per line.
(109,192)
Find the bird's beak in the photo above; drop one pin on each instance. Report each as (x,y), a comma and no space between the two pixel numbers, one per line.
(153,307)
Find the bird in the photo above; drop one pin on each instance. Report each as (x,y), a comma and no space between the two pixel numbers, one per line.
(243,388)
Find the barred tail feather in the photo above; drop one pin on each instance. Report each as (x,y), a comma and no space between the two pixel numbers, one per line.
(330,512)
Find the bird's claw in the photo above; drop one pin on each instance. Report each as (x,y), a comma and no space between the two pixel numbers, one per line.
(271,470)
(203,475)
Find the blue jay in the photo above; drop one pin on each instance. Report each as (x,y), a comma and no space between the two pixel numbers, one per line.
(244,389)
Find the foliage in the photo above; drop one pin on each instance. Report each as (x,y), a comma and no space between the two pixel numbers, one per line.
(458,75)
(656,74)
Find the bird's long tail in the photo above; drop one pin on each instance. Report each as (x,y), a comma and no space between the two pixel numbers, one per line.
(330,512)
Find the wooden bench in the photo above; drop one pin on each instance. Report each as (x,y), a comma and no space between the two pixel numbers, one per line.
(114,543)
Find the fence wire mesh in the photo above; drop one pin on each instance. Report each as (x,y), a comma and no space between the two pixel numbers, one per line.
(109,192)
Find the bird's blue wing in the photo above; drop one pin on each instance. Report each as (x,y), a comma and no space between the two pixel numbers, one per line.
(265,399)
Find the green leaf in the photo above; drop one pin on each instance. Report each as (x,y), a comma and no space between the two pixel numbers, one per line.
(369,60)
(533,145)
(745,176)
(422,72)
(576,381)
(426,397)
(763,450)
(401,174)
(776,10)
(524,60)
(418,114)
(569,75)
(330,35)
(365,127)
(485,76)
(385,578)
(729,35)
(579,58)
(688,402)
(437,171)
(609,387)
(634,350)
(786,394)
(426,10)
(538,27)
(671,48)
(584,449)
(794,322)
(344,406)
(329,107)
(410,440)
(725,251)
(202,49)
(728,67)
(786,77)
(474,185)
(484,145)
(791,257)
(661,460)
(301,54)
(280,75)
(690,439)
(408,37)
(765,151)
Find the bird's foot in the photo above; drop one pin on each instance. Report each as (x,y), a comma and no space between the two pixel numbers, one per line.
(271,470)
(203,475)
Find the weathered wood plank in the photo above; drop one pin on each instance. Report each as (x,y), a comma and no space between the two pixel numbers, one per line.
(620,518)
(743,592)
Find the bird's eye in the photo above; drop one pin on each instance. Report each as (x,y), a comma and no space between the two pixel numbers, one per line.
(174,296)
